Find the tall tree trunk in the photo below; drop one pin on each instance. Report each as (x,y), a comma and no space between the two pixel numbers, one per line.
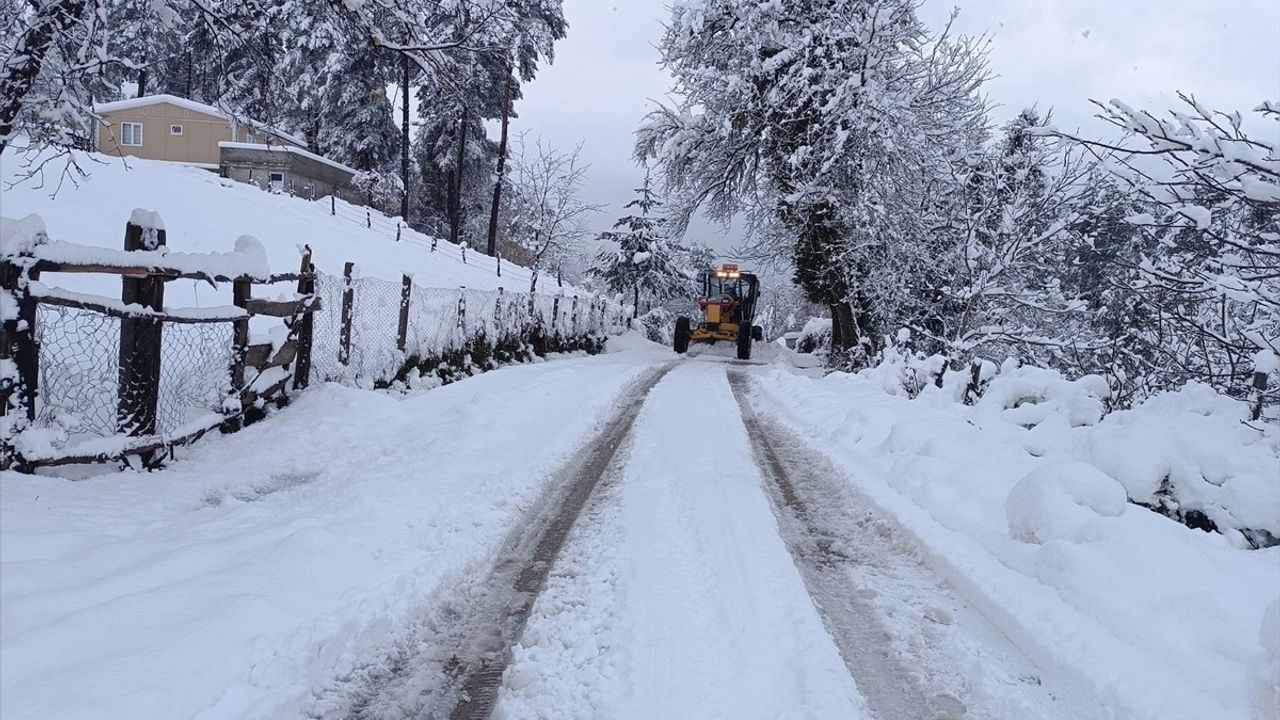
(20,71)
(455,219)
(502,168)
(142,83)
(635,310)
(837,335)
(404,137)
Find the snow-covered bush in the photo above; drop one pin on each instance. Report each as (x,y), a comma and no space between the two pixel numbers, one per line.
(657,325)
(1059,501)
(815,337)
(1189,455)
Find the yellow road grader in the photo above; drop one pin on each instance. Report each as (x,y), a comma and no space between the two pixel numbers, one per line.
(728,305)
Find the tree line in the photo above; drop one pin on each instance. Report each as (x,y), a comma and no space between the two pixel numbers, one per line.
(344,76)
(857,146)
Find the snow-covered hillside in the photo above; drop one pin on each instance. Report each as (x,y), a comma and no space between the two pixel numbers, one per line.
(205,213)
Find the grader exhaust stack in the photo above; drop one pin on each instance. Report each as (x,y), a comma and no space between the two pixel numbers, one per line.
(728,306)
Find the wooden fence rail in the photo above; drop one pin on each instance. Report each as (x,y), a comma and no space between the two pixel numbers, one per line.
(144,269)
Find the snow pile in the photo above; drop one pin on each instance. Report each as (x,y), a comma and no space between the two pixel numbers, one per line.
(1062,502)
(1021,501)
(22,237)
(1189,455)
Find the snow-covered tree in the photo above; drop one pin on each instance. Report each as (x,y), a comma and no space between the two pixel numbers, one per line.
(1202,280)
(646,263)
(548,214)
(828,120)
(994,268)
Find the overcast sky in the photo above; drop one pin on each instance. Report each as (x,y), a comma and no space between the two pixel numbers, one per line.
(1051,53)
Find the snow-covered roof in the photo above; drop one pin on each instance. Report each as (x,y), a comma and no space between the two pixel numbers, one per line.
(289,149)
(192,105)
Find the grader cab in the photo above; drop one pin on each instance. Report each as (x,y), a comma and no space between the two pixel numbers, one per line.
(728,306)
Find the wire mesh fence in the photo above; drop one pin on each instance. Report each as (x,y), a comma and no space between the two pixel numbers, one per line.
(439,320)
(79,350)
(79,378)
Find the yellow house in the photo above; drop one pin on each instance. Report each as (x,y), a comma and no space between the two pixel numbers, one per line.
(167,127)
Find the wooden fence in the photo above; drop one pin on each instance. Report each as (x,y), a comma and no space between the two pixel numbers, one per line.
(258,373)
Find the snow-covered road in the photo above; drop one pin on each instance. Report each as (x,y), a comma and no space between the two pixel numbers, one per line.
(679,593)
(362,556)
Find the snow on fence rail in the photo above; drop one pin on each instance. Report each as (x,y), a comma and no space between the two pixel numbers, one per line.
(372,332)
(86,378)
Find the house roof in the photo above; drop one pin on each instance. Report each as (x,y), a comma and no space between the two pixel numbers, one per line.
(289,149)
(192,105)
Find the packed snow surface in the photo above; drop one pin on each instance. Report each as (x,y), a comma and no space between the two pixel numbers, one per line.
(252,572)
(688,604)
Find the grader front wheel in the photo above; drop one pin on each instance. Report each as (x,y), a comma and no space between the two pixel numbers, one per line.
(744,342)
(681,344)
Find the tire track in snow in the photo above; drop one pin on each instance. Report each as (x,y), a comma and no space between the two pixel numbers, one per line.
(891,619)
(453,664)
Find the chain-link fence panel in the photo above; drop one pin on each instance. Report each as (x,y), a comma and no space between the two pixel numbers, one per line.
(375,322)
(195,372)
(79,352)
(439,320)
(433,321)
(327,330)
(79,371)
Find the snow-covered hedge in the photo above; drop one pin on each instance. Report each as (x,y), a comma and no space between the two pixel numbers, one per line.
(1190,454)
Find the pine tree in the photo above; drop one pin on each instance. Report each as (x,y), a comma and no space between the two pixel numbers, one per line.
(645,264)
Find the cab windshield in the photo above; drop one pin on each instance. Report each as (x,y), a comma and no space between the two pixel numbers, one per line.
(718,287)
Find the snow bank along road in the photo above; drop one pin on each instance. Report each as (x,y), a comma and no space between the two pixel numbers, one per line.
(617,537)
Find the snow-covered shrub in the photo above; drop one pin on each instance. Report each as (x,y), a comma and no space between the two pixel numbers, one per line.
(815,337)
(381,190)
(657,325)
(1060,501)
(1189,455)
(1027,396)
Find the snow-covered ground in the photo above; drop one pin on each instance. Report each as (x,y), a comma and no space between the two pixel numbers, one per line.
(1020,503)
(990,551)
(681,596)
(253,571)
(204,213)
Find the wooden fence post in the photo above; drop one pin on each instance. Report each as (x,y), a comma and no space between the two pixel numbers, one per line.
(462,310)
(333,205)
(348,304)
(1259,393)
(241,290)
(499,258)
(368,219)
(406,292)
(306,331)
(26,349)
(140,342)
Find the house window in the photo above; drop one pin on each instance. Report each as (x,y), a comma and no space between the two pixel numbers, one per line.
(277,182)
(175,129)
(131,134)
